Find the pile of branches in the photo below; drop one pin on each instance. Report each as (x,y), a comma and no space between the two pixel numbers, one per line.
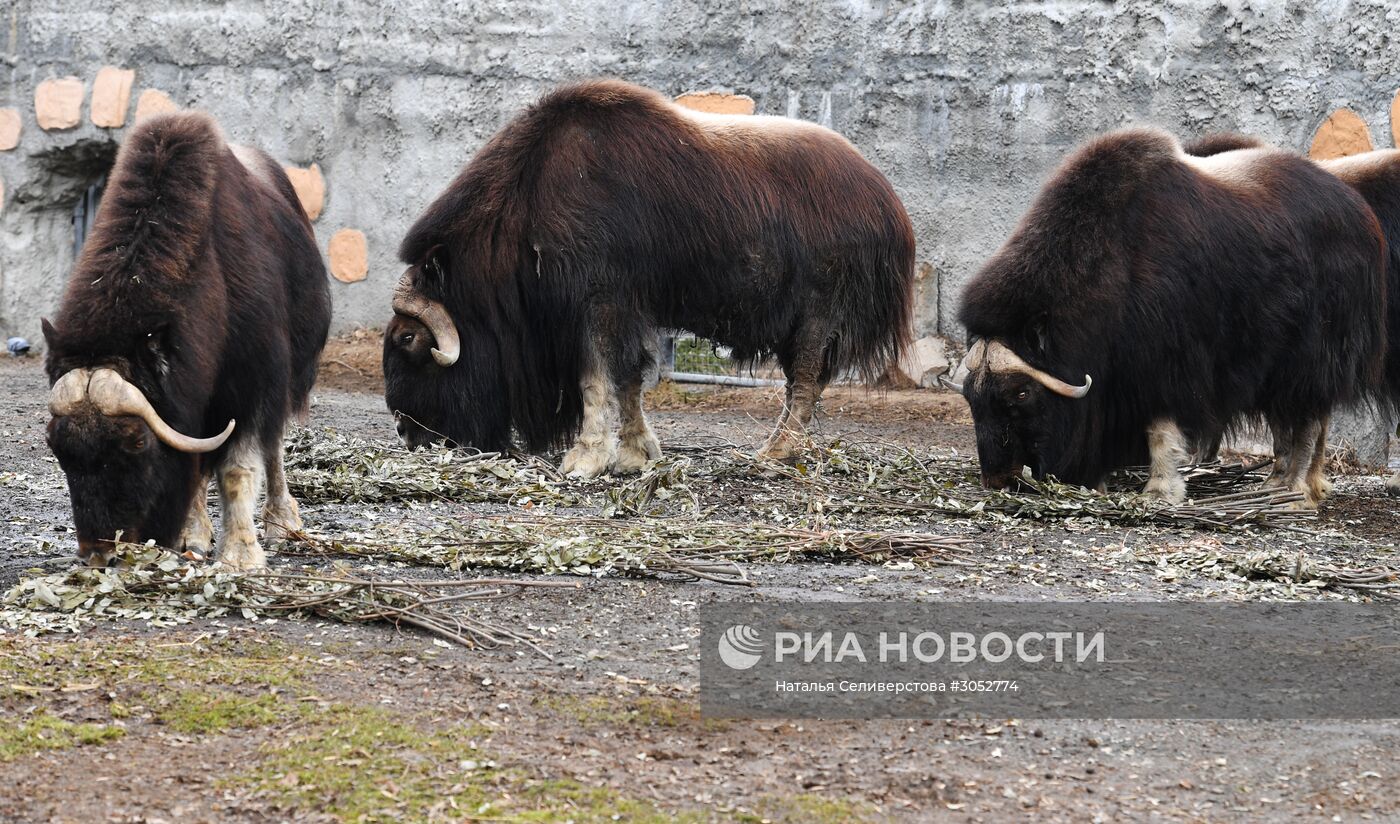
(886,479)
(152,584)
(327,466)
(696,550)
(1281,566)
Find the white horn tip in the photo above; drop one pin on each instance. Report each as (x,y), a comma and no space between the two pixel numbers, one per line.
(442,358)
(1084,390)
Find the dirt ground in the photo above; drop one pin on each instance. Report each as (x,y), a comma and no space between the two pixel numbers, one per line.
(234,720)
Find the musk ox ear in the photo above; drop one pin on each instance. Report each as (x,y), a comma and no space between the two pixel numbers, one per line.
(1038,334)
(50,333)
(435,263)
(158,347)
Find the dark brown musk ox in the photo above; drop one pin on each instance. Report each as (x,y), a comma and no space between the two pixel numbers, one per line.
(1195,292)
(1376,176)
(189,332)
(538,280)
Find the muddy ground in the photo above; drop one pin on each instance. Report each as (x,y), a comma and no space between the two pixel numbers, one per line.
(233,720)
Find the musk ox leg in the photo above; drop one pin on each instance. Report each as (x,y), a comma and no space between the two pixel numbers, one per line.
(1318,487)
(197,538)
(637,443)
(281,516)
(1300,456)
(595,448)
(1167,447)
(239,479)
(805,381)
(1282,473)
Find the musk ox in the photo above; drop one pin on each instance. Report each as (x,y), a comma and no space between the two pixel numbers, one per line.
(1197,292)
(1376,176)
(188,333)
(537,281)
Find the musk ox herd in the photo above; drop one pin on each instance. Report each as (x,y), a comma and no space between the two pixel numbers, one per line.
(1154,297)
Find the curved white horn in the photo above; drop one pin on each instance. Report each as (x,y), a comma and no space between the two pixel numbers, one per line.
(1000,358)
(433,315)
(68,392)
(113,395)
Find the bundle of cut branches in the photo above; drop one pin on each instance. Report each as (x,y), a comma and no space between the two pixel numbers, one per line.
(1284,566)
(893,480)
(152,584)
(706,550)
(327,466)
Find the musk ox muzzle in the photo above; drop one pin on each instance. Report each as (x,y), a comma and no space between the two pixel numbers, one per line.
(998,357)
(408,301)
(114,396)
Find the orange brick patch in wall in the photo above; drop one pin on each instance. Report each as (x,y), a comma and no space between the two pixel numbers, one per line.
(1342,133)
(717,102)
(311,188)
(10,125)
(111,96)
(349,256)
(58,103)
(154,101)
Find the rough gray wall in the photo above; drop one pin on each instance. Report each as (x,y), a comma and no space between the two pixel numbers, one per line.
(966,106)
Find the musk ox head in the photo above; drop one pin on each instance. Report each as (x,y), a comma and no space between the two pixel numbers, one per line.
(442,375)
(1024,417)
(129,471)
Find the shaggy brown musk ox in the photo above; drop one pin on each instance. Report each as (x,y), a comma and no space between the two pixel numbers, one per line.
(537,282)
(1196,292)
(198,301)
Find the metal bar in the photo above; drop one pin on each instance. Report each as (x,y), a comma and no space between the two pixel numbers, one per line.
(721,380)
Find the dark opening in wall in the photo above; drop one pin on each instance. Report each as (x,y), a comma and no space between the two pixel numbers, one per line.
(73,180)
(85,213)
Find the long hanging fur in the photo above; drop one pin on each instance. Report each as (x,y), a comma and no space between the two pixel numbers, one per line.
(1204,291)
(605,203)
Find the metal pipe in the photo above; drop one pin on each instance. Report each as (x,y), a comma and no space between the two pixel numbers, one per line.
(719,380)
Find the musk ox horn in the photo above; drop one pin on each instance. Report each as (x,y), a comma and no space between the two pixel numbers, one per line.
(113,395)
(433,315)
(999,358)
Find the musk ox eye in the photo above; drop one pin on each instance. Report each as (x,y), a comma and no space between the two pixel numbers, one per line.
(406,338)
(1023,394)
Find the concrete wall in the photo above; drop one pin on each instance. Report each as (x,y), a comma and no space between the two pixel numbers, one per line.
(966,106)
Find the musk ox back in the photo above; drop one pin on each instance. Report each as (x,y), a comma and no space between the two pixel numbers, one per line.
(1196,292)
(604,212)
(187,334)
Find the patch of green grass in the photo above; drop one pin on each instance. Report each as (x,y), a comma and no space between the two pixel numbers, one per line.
(367,764)
(644,711)
(565,800)
(807,808)
(219,661)
(47,732)
(205,712)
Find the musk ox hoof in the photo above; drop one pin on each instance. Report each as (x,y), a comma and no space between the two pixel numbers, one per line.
(1171,490)
(241,552)
(196,542)
(1392,486)
(281,521)
(634,455)
(586,463)
(1319,488)
(783,447)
